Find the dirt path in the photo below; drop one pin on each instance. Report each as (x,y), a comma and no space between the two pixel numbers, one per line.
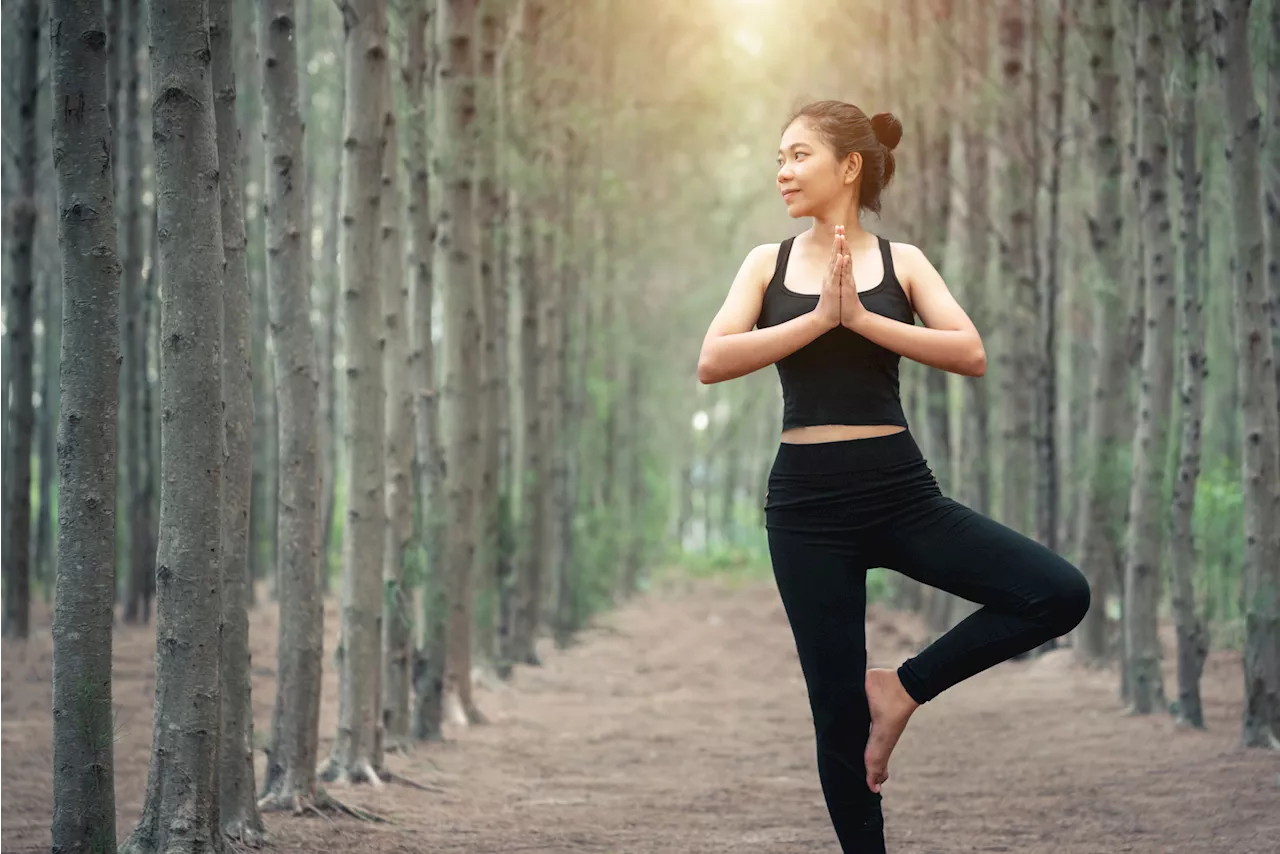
(680,726)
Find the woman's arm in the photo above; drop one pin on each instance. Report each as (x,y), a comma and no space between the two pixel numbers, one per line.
(732,347)
(948,340)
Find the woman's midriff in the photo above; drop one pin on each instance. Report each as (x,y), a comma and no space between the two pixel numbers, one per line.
(837,433)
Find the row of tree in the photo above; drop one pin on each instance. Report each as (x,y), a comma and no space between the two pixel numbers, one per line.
(464,464)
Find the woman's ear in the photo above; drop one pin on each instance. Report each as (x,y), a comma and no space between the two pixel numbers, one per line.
(852,167)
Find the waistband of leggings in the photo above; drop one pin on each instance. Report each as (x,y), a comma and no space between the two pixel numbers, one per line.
(847,455)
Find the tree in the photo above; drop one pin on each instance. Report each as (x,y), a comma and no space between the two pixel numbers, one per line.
(428,671)
(20,332)
(1096,541)
(531,559)
(397,617)
(456,258)
(181,810)
(1151,438)
(290,782)
(1017,364)
(84,809)
(363,545)
(1261,458)
(237,797)
(135,388)
(1193,635)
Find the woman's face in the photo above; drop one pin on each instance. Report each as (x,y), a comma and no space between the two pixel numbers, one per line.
(809,176)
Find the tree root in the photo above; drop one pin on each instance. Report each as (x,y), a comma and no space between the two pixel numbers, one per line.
(321,805)
(389,777)
(356,773)
(241,835)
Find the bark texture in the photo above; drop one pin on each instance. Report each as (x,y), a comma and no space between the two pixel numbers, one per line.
(238,807)
(1097,542)
(20,334)
(363,545)
(180,814)
(1193,637)
(428,668)
(456,259)
(1261,466)
(1151,437)
(84,809)
(397,617)
(1017,356)
(135,387)
(290,781)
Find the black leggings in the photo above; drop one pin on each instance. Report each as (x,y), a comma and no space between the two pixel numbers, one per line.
(834,510)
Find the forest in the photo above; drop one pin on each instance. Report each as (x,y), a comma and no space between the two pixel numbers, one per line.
(359,487)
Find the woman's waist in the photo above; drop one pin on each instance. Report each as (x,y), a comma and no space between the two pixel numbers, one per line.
(826,450)
(811,434)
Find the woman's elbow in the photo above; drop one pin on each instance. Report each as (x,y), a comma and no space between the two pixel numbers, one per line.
(976,364)
(708,372)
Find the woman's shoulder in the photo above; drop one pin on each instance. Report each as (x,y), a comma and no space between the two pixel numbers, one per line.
(907,260)
(762,261)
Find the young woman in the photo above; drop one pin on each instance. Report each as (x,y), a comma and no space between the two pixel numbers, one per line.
(834,309)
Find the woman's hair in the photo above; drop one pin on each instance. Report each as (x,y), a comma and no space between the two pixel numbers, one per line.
(847,129)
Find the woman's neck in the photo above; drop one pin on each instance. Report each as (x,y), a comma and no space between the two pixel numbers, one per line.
(824,226)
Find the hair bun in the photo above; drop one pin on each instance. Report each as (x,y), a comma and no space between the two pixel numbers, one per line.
(887,129)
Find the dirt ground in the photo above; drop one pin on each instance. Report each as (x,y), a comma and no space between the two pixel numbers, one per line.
(680,725)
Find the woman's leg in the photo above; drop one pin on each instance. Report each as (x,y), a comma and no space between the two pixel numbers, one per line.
(1029,594)
(822,583)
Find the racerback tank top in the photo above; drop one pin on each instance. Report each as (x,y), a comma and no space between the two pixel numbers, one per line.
(840,377)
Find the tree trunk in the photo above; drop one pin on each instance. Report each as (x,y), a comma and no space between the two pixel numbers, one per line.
(364,535)
(84,808)
(397,617)
(530,553)
(140,561)
(551,398)
(181,809)
(1273,186)
(1151,438)
(45,542)
(1100,507)
(328,373)
(1193,637)
(1047,502)
(290,778)
(1018,200)
(456,258)
(975,450)
(241,821)
(533,484)
(1261,466)
(428,669)
(504,231)
(20,332)
(486,200)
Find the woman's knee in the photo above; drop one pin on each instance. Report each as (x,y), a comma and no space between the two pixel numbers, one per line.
(1067,598)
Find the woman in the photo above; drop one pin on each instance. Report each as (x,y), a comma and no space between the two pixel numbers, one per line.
(849,488)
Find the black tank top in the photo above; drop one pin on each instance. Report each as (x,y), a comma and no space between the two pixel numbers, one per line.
(839,377)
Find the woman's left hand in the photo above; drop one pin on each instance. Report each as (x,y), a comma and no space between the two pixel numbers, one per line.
(852,310)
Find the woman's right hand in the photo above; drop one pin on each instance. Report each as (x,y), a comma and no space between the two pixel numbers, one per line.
(828,308)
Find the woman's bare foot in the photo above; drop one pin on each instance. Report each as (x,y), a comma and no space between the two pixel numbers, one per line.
(891,708)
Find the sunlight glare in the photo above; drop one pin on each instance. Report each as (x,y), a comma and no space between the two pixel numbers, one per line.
(750,41)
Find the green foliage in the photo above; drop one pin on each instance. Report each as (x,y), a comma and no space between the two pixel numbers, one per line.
(1218,525)
(740,562)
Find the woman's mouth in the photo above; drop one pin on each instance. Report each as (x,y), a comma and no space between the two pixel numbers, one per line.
(787,194)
